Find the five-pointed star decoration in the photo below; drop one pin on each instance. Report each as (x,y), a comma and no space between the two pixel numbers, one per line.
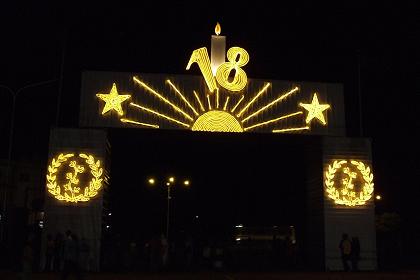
(113,100)
(315,110)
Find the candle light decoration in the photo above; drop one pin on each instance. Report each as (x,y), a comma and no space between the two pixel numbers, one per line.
(218,49)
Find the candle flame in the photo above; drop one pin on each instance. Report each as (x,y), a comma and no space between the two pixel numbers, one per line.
(218,29)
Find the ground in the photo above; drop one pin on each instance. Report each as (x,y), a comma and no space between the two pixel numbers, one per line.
(233,276)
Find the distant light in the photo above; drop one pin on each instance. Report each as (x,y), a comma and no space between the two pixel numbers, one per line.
(238,239)
(107,226)
(109,214)
(41,224)
(196,217)
(378,197)
(186,182)
(171,179)
(151,181)
(167,183)
(239,226)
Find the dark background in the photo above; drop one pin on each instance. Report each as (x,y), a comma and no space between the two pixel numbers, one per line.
(255,180)
(299,40)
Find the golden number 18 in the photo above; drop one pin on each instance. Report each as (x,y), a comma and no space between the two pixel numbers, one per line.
(237,57)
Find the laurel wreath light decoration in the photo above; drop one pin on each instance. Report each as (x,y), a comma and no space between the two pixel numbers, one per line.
(346,194)
(70,191)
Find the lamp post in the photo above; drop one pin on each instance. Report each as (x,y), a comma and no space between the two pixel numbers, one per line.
(170,183)
(10,144)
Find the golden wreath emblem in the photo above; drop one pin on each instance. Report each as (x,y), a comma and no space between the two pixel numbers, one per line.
(346,193)
(70,191)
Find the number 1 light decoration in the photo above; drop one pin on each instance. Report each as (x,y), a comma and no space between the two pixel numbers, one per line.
(215,112)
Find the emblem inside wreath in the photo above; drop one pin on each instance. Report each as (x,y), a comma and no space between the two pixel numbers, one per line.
(355,186)
(70,190)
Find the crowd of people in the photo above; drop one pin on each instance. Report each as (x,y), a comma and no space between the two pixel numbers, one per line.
(65,254)
(151,254)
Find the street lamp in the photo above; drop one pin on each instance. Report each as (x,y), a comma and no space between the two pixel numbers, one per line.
(10,144)
(170,183)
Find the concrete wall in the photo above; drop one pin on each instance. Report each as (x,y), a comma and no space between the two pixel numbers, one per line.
(356,220)
(82,218)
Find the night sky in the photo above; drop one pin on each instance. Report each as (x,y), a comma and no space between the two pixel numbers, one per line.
(298,41)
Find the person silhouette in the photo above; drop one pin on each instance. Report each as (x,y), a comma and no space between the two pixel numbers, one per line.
(345,250)
(27,260)
(58,252)
(49,253)
(71,256)
(84,254)
(355,253)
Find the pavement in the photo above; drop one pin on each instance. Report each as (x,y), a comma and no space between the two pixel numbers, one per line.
(408,275)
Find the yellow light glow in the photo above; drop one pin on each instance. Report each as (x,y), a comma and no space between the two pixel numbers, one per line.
(176,108)
(290,129)
(159,114)
(151,181)
(315,110)
(217,121)
(71,192)
(253,99)
(208,101)
(182,96)
(201,57)
(139,123)
(186,183)
(199,102)
(171,179)
(113,100)
(237,104)
(347,194)
(279,99)
(218,29)
(378,197)
(273,120)
(237,57)
(226,103)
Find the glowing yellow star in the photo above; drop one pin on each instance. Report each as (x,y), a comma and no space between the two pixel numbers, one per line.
(113,100)
(315,110)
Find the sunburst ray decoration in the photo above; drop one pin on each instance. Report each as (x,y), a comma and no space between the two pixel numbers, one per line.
(218,110)
(219,113)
